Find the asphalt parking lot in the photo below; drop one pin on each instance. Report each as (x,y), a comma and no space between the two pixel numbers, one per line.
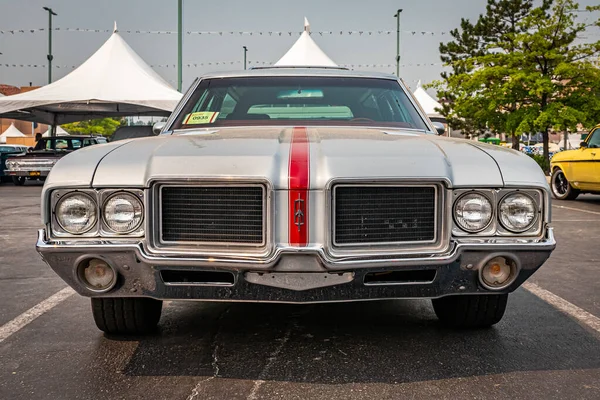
(547,346)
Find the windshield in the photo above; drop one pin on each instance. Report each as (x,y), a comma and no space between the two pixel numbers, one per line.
(299,101)
(58,144)
(10,149)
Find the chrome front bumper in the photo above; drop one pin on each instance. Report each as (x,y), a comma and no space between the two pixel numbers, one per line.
(140,273)
(27,173)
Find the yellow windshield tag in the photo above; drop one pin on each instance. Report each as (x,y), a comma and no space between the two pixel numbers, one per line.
(197,118)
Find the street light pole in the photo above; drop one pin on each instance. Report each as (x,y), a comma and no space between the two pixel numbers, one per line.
(245,51)
(398,42)
(50,57)
(179,43)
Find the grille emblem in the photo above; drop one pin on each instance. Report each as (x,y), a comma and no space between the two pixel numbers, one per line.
(299,209)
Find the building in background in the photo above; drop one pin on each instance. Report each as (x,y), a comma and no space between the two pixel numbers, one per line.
(28,128)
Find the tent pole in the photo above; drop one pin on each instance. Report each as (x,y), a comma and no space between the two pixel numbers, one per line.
(179,43)
(53,126)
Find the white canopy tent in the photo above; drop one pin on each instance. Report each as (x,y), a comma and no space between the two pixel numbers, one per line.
(305,53)
(113,82)
(11,131)
(59,132)
(428,103)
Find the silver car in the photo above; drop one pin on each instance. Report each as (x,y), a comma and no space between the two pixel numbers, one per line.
(295,186)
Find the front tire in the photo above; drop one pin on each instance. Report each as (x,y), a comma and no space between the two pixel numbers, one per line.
(470,311)
(18,180)
(561,187)
(126,315)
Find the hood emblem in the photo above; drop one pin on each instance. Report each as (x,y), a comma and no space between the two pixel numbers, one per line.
(299,209)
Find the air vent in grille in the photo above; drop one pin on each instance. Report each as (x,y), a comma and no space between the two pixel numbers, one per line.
(384,214)
(206,214)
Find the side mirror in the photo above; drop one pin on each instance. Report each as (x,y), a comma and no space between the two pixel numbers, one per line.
(439,127)
(158,127)
(583,145)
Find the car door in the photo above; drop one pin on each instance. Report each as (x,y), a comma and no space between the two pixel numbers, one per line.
(586,164)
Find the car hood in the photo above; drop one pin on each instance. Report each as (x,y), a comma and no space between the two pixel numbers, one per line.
(263,153)
(564,155)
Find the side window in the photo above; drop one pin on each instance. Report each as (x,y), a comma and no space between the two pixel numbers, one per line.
(76,144)
(594,141)
(87,142)
(61,144)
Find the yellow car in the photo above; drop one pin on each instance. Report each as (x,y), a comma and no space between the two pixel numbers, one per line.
(577,171)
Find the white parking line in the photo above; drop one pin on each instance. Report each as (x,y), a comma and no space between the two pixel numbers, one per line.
(563,305)
(577,209)
(28,316)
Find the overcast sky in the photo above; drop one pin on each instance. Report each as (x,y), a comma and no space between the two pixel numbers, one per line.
(72,48)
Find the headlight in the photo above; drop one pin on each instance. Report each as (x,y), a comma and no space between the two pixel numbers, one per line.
(11,164)
(123,212)
(473,212)
(518,212)
(76,213)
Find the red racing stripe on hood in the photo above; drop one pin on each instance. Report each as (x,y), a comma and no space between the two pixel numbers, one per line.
(298,184)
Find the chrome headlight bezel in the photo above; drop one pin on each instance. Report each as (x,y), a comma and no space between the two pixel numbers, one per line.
(106,196)
(540,196)
(474,193)
(100,229)
(61,225)
(536,211)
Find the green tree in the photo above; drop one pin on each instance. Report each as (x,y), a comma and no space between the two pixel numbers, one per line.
(498,25)
(103,126)
(530,74)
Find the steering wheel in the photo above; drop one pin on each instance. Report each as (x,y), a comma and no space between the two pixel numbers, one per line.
(361,119)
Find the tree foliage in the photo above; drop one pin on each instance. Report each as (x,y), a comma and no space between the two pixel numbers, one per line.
(522,68)
(103,126)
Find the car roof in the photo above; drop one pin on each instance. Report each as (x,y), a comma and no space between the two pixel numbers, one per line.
(286,71)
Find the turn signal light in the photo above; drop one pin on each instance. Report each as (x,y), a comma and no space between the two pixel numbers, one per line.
(97,275)
(498,273)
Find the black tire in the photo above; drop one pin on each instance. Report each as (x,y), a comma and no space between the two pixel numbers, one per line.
(561,187)
(126,315)
(470,311)
(18,180)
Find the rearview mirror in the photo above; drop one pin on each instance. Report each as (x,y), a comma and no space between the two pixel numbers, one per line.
(158,127)
(439,127)
(583,145)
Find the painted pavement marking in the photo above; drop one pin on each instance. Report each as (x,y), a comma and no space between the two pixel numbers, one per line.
(584,317)
(12,327)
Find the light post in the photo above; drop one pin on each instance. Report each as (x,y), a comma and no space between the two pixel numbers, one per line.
(50,14)
(397,16)
(179,43)
(245,51)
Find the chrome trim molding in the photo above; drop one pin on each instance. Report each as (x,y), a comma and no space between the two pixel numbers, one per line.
(399,249)
(498,245)
(436,223)
(154,212)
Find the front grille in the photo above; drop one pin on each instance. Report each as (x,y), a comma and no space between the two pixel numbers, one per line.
(384,214)
(218,215)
